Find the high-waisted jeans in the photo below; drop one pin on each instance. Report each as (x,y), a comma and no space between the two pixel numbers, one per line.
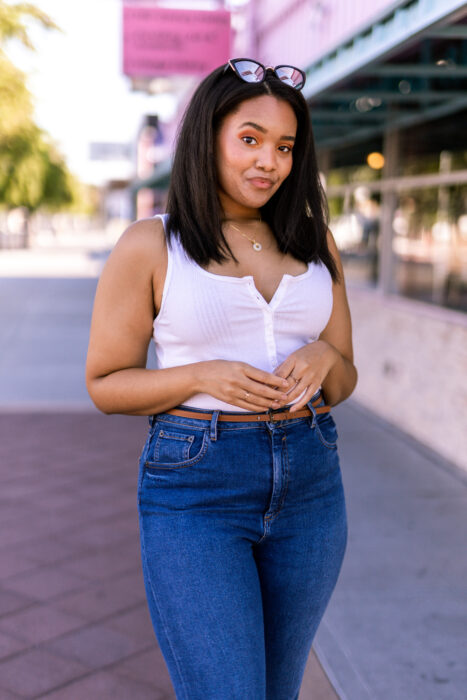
(243,531)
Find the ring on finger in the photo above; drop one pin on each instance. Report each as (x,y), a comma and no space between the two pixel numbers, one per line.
(295,379)
(247,394)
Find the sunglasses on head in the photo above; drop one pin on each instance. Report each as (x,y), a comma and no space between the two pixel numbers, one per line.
(254,72)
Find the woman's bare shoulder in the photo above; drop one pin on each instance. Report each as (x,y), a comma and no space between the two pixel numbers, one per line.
(142,236)
(141,249)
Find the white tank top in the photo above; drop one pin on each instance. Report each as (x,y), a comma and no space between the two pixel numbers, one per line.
(206,316)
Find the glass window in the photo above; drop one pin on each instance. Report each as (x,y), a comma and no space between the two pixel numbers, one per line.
(355,224)
(430,245)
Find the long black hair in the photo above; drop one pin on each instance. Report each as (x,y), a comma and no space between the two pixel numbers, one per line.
(297,213)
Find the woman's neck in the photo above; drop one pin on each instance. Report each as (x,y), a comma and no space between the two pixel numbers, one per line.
(226,217)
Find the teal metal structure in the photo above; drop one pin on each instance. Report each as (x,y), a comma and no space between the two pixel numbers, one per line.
(407,67)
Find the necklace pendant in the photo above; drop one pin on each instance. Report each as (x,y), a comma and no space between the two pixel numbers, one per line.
(257,246)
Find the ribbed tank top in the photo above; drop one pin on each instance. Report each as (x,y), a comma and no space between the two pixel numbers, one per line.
(206,316)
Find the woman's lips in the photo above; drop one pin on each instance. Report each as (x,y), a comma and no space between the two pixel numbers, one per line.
(261,183)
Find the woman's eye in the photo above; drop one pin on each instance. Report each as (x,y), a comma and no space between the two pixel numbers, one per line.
(250,139)
(285,149)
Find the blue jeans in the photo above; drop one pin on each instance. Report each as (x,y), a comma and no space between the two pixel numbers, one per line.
(243,531)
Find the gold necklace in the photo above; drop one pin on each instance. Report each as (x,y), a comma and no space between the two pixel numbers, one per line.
(256,246)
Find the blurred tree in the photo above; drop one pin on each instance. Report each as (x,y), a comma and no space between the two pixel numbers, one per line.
(33,174)
(15,100)
(12,25)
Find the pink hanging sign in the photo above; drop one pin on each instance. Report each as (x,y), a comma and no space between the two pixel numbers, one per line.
(162,42)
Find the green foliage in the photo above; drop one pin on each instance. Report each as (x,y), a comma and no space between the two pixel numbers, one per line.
(13,19)
(336,207)
(15,100)
(86,198)
(32,172)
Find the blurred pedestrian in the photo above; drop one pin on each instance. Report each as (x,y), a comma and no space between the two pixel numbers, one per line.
(242,512)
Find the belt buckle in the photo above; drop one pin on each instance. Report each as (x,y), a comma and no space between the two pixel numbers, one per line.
(271,415)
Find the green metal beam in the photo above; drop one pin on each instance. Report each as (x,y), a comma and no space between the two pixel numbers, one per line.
(394,122)
(159,178)
(403,26)
(404,70)
(335,115)
(387,95)
(458,31)
(321,131)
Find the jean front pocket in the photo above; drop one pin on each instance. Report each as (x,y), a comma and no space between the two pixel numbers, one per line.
(327,430)
(173,446)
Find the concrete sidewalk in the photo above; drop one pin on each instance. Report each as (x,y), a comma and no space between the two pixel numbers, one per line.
(396,626)
(73,615)
(73,619)
(74,622)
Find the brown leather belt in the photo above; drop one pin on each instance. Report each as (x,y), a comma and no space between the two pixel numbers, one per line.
(270,416)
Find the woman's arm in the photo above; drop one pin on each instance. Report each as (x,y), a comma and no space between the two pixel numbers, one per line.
(121,326)
(121,329)
(327,362)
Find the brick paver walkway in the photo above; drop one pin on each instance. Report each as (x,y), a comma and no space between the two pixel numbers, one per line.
(73,618)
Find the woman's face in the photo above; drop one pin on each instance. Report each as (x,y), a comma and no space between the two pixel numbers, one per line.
(254,154)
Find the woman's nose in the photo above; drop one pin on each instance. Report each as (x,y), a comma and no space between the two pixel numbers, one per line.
(266,159)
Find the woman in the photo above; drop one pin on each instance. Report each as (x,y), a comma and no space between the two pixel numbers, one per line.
(242,513)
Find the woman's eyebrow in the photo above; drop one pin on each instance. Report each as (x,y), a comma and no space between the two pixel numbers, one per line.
(264,131)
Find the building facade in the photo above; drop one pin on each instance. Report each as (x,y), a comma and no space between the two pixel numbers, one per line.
(386,85)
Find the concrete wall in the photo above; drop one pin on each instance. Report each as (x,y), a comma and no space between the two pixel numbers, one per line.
(412,364)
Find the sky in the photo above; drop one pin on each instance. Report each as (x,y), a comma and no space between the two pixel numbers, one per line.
(80,93)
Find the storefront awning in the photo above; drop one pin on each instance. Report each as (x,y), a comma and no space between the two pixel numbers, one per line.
(159,179)
(407,68)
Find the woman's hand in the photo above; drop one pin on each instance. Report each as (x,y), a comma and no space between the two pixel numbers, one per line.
(307,368)
(240,384)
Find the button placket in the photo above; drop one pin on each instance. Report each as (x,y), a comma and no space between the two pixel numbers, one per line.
(271,347)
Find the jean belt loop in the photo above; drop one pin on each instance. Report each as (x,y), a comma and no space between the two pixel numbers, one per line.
(313,411)
(152,420)
(213,429)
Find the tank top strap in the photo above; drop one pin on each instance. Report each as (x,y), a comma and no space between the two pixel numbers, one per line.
(176,257)
(175,264)
(176,254)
